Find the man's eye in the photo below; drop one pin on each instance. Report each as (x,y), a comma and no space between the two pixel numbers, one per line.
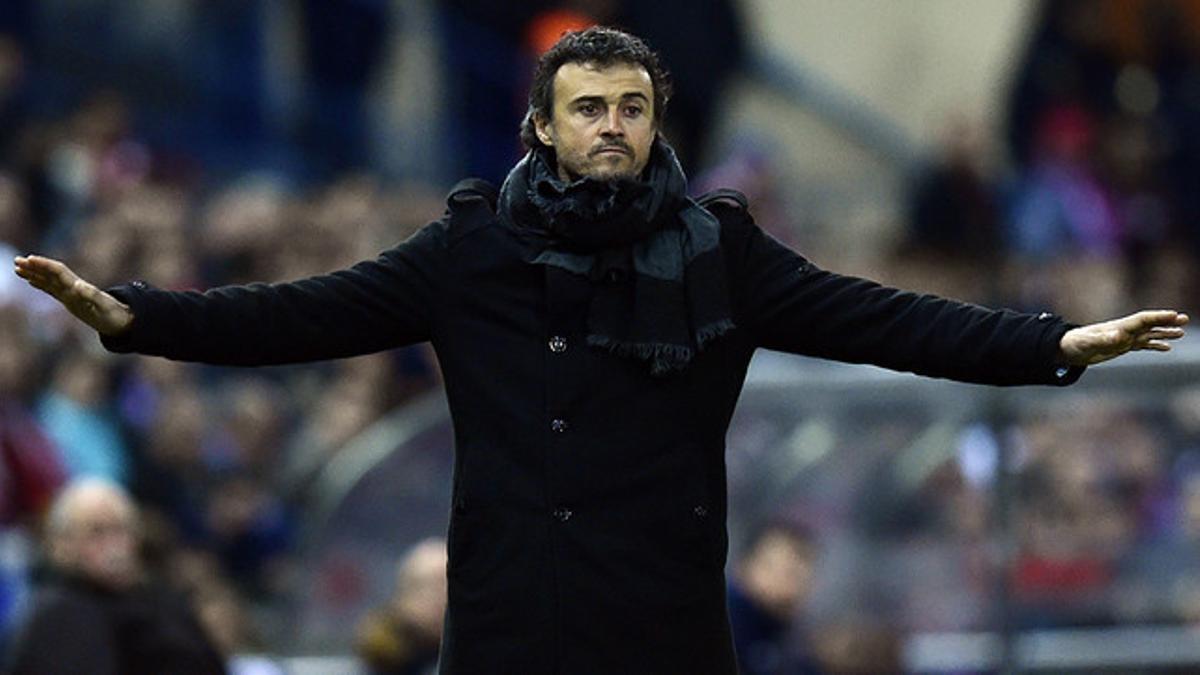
(588,109)
(633,111)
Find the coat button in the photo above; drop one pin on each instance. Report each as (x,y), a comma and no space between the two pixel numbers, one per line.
(700,511)
(558,426)
(563,514)
(558,344)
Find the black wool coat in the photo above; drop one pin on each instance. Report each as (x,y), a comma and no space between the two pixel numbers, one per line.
(588,529)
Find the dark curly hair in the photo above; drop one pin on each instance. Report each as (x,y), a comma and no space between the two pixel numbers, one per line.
(602,47)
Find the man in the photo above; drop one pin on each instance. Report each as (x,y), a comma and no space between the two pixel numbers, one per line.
(767,587)
(594,330)
(99,616)
(403,636)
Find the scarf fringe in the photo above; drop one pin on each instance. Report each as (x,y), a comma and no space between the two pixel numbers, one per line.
(664,359)
(713,331)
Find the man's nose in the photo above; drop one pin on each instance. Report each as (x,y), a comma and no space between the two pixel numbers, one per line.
(612,124)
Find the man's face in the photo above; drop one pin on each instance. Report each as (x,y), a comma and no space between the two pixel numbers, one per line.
(101,542)
(602,124)
(778,573)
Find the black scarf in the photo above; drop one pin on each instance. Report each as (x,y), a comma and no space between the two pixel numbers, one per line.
(651,254)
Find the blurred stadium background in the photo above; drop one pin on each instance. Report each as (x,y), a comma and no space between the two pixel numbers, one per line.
(1036,155)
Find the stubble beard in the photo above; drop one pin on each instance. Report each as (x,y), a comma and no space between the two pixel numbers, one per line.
(575,168)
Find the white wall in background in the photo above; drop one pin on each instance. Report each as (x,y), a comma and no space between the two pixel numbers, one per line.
(916,61)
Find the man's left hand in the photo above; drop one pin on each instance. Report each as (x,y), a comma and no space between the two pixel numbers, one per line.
(1150,329)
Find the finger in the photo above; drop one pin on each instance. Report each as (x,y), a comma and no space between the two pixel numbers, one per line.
(30,269)
(1155,346)
(48,266)
(36,279)
(42,266)
(1157,317)
(1163,334)
(52,279)
(31,261)
(40,284)
(42,281)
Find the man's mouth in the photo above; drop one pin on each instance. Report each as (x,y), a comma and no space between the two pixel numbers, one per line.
(611,149)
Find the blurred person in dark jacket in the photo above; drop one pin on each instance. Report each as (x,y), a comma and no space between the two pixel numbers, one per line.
(594,326)
(767,589)
(402,637)
(98,614)
(705,43)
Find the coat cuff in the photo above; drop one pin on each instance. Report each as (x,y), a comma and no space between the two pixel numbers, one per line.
(1055,372)
(128,341)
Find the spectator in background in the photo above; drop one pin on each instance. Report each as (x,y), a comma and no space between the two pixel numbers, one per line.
(17,233)
(769,586)
(953,212)
(343,43)
(218,607)
(1069,63)
(487,70)
(703,41)
(90,159)
(250,529)
(1063,208)
(239,229)
(74,413)
(30,467)
(953,244)
(99,615)
(252,414)
(14,87)
(751,166)
(402,637)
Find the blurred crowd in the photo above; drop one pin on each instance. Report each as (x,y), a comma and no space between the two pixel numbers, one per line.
(1088,202)
(188,179)
(218,460)
(1094,214)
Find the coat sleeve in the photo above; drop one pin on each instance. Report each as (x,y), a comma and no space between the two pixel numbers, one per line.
(789,304)
(375,305)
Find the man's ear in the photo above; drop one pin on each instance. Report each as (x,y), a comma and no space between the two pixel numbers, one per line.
(541,126)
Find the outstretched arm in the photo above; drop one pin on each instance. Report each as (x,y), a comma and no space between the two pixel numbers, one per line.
(376,304)
(1098,342)
(789,304)
(101,311)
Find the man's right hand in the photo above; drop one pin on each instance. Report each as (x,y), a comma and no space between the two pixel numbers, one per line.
(101,311)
